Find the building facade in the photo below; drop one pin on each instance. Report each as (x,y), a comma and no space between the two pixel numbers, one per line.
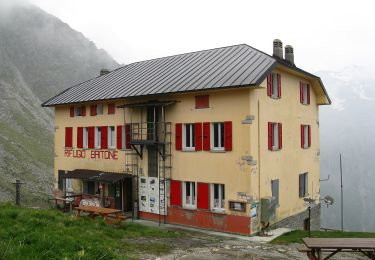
(224,139)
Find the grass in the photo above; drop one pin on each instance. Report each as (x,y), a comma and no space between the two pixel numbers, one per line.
(297,235)
(49,234)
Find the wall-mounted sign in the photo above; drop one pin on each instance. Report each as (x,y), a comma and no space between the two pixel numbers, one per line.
(91,154)
(152,195)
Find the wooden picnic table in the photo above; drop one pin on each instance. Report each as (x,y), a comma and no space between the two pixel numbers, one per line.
(111,216)
(333,246)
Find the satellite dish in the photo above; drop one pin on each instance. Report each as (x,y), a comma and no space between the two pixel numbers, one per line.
(328,200)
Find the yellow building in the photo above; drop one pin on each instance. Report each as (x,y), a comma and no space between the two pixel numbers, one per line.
(224,139)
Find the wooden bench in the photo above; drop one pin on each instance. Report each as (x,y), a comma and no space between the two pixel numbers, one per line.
(111,216)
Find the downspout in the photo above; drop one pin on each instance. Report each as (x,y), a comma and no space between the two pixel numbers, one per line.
(259,205)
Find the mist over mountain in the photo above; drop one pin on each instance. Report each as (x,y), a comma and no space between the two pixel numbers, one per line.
(347,127)
(39,57)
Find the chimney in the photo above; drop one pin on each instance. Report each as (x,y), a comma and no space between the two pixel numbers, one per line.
(289,54)
(278,48)
(104,71)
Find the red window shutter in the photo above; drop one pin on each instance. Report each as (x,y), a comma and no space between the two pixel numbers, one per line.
(301,92)
(269,84)
(280,135)
(198,136)
(69,137)
(93,110)
(176,193)
(302,137)
(119,137)
(91,143)
(178,136)
(203,198)
(83,111)
(308,94)
(104,137)
(278,85)
(71,111)
(206,136)
(202,101)
(270,136)
(128,136)
(228,135)
(111,108)
(309,137)
(80,137)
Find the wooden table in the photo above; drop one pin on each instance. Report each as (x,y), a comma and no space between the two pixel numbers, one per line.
(111,216)
(335,245)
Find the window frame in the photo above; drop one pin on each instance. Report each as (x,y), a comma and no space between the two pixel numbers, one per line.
(221,193)
(220,138)
(99,108)
(275,86)
(111,137)
(98,137)
(304,190)
(192,137)
(305,93)
(192,205)
(277,197)
(85,137)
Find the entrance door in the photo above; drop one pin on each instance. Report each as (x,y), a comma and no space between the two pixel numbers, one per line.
(152,129)
(118,195)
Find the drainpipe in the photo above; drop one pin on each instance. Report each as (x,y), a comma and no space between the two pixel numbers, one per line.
(259,205)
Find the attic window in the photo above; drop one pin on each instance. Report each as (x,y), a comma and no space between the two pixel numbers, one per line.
(111,108)
(201,101)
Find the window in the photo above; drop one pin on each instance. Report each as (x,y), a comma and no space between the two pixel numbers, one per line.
(275,190)
(80,111)
(218,197)
(274,85)
(201,101)
(85,137)
(69,184)
(305,136)
(99,109)
(189,198)
(274,136)
(98,137)
(111,137)
(303,185)
(60,179)
(111,108)
(217,136)
(304,89)
(189,137)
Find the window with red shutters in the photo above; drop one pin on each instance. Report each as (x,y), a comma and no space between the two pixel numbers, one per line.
(93,110)
(198,136)
(71,111)
(228,136)
(275,137)
(206,136)
(202,101)
(69,137)
(274,85)
(203,198)
(111,108)
(80,137)
(178,136)
(104,137)
(91,137)
(304,89)
(305,136)
(176,193)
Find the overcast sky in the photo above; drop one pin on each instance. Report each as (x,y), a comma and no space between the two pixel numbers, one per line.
(326,35)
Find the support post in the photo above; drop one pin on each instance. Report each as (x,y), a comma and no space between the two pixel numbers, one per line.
(342,198)
(17,185)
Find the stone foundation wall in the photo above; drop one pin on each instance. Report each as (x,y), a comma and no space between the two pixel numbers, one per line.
(297,221)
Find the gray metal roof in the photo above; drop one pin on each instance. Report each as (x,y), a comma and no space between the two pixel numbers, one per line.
(233,66)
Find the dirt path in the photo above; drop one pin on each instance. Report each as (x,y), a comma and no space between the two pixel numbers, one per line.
(197,245)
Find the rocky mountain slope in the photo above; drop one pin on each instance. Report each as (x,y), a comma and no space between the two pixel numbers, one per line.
(39,57)
(347,127)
